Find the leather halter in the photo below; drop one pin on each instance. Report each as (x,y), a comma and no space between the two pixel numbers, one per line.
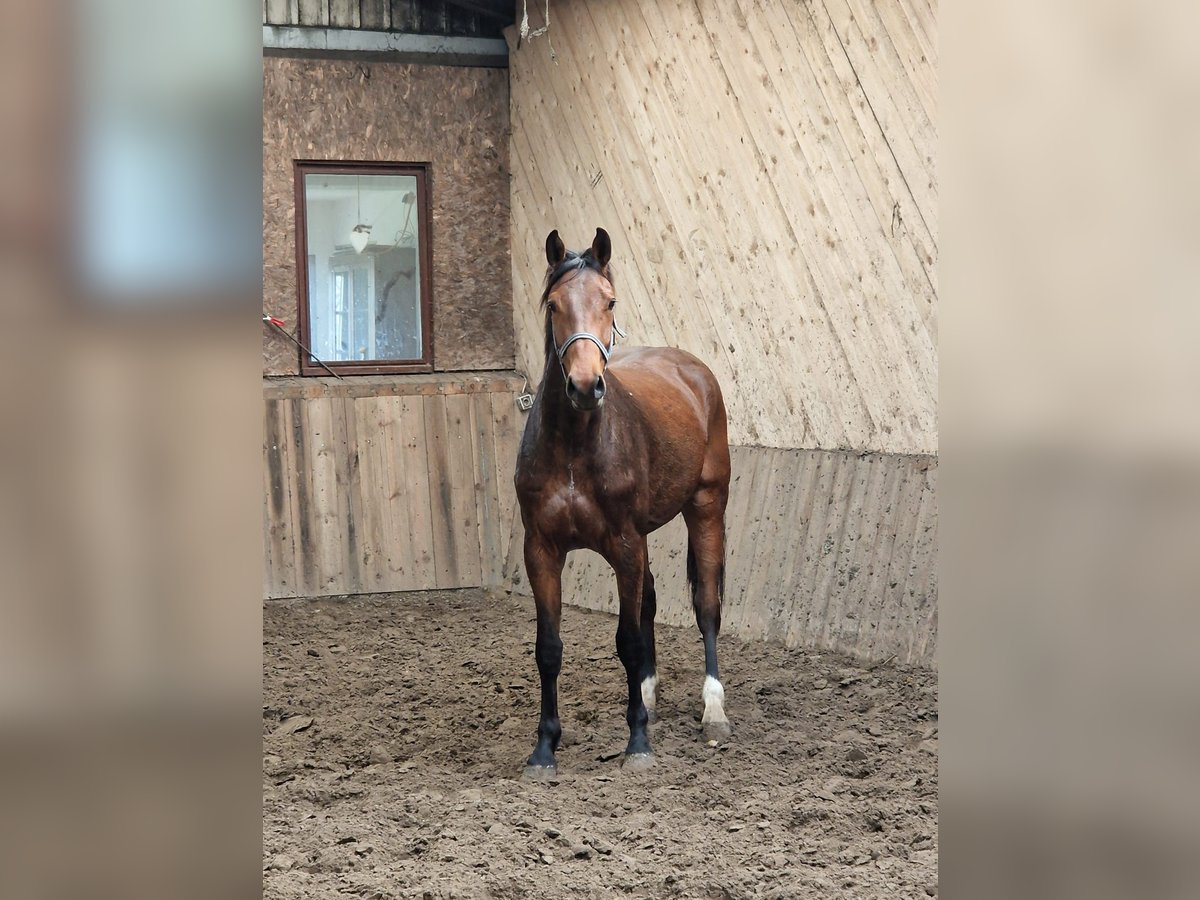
(606,352)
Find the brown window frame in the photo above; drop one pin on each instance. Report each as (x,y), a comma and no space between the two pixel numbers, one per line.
(422,171)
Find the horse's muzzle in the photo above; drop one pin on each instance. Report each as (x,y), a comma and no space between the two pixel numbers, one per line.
(586,398)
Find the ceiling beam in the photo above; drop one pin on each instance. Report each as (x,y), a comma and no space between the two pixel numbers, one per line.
(385,46)
(482,9)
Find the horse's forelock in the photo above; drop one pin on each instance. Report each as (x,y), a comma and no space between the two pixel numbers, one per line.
(572,262)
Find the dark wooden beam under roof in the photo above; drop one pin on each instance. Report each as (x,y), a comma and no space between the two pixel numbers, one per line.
(503,12)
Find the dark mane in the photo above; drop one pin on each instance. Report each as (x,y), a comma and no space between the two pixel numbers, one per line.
(572,262)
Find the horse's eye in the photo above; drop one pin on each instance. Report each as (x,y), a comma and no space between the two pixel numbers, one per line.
(612,303)
(550,306)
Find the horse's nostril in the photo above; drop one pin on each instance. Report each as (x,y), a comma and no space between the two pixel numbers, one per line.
(588,398)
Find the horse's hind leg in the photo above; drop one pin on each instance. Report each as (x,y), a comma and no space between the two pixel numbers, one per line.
(649,662)
(705,517)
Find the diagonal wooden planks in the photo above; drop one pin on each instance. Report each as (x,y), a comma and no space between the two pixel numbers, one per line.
(766,168)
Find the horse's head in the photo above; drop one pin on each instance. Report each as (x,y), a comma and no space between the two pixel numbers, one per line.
(580,328)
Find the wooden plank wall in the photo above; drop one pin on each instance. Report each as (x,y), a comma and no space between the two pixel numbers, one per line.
(825,549)
(395,484)
(766,170)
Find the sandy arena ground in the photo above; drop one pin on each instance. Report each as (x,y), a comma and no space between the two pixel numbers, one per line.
(395,729)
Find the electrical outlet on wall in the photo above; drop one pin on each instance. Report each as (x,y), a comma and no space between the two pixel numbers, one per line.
(524,399)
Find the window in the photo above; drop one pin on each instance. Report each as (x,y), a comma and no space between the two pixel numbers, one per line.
(363,267)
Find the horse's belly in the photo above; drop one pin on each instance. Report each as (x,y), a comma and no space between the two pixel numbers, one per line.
(672,484)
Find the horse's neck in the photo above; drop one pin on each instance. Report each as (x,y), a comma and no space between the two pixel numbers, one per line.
(566,428)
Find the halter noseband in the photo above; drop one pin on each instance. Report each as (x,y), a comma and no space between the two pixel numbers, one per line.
(606,352)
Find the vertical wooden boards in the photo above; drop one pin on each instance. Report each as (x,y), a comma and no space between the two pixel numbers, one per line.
(400,486)
(329,556)
(922,640)
(507,426)
(840,623)
(376,15)
(464,516)
(280,12)
(489,520)
(588,581)
(300,497)
(668,562)
(314,12)
(876,533)
(445,538)
(279,551)
(413,16)
(793,601)
(874,580)
(824,549)
(804,584)
(748,540)
(823,562)
(375,532)
(894,632)
(349,490)
(344,14)
(378,492)
(408,494)
(786,538)
(406,15)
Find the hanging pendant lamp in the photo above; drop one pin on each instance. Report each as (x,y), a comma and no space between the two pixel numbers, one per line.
(360,234)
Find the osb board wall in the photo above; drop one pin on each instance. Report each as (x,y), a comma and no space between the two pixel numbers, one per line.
(396,491)
(766,170)
(453,117)
(824,549)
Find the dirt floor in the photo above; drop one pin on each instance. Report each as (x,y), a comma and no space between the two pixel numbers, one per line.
(395,729)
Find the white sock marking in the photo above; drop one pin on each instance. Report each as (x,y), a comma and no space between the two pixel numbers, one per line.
(649,687)
(714,701)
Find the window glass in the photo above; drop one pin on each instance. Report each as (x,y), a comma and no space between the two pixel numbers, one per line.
(363,244)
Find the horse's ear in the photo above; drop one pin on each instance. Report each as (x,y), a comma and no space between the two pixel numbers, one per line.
(556,250)
(601,247)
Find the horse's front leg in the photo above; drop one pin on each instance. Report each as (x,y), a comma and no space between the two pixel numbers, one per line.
(628,559)
(544,565)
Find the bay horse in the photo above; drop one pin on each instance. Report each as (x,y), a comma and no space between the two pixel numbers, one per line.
(618,443)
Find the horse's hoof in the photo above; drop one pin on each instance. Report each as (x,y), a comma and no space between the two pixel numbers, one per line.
(637,762)
(717,731)
(539,773)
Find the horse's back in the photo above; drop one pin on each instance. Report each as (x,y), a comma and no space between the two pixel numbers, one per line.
(661,376)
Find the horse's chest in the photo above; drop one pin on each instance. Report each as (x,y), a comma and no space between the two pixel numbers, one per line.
(585,505)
